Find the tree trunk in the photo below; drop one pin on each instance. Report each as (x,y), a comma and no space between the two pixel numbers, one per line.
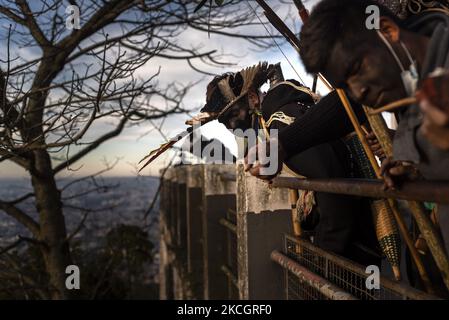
(53,233)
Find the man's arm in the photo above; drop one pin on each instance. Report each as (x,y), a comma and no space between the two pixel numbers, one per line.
(324,122)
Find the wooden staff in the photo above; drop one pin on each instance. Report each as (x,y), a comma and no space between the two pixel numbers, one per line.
(282,28)
(392,106)
(380,129)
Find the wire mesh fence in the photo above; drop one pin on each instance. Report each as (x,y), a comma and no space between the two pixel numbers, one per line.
(341,272)
(231,252)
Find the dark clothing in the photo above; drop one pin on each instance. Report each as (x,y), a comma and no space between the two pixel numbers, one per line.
(324,122)
(344,222)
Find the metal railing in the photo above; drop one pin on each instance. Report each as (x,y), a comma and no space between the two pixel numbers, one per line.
(312,273)
(230,270)
(413,192)
(322,286)
(229,225)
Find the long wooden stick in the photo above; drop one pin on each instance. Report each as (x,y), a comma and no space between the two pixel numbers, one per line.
(392,106)
(282,28)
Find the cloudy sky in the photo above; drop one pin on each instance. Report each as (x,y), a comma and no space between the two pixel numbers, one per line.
(135,142)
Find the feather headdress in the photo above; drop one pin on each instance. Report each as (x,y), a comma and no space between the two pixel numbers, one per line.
(250,77)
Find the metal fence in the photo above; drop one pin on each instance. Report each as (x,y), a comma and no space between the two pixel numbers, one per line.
(230,270)
(341,272)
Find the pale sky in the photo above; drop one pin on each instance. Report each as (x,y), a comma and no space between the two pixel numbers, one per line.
(134,142)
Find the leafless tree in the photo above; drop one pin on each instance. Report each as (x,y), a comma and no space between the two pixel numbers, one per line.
(56,83)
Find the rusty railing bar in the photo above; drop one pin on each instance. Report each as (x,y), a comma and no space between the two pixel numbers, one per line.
(228,224)
(325,287)
(433,191)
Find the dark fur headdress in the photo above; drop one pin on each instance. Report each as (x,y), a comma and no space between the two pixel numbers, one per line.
(398,7)
(230,88)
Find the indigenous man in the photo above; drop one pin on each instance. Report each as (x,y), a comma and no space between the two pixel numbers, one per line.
(318,56)
(384,66)
(377,67)
(342,224)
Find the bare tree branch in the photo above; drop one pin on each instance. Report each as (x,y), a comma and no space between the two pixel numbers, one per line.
(32,25)
(11,246)
(12,15)
(58,85)
(21,217)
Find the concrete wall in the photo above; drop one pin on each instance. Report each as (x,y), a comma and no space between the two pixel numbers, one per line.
(194,245)
(263,215)
(194,206)
(219,197)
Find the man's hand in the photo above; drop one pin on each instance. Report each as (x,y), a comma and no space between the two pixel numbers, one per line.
(435,125)
(375,145)
(396,172)
(265,159)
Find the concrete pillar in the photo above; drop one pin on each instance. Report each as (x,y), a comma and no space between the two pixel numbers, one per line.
(263,216)
(173,205)
(165,271)
(219,197)
(181,212)
(194,198)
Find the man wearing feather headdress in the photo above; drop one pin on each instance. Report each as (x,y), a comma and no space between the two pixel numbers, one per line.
(342,224)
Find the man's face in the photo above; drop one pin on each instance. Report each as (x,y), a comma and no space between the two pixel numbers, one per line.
(237,117)
(370,75)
